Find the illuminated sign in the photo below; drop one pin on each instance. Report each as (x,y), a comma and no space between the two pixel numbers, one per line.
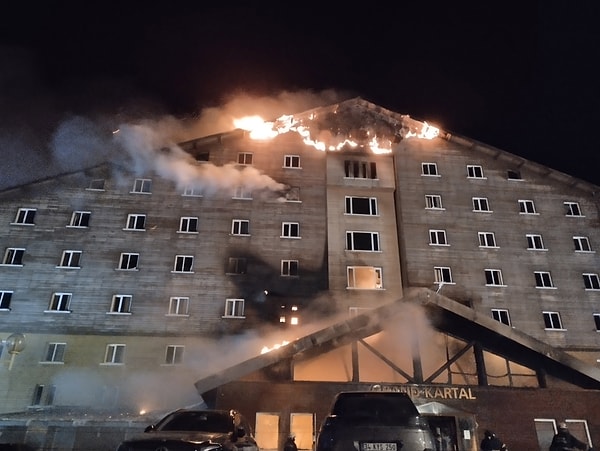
(429,391)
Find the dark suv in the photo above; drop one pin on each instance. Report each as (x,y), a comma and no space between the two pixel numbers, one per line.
(374,421)
(195,430)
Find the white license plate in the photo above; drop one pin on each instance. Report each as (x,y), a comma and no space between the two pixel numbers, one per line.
(378,447)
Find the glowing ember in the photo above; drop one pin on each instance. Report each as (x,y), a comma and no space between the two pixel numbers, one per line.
(266,349)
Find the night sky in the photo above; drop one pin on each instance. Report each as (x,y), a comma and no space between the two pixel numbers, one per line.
(521,76)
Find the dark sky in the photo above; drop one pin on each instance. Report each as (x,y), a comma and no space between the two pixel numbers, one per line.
(518,75)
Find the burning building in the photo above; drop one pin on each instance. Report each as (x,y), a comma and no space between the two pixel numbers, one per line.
(268,267)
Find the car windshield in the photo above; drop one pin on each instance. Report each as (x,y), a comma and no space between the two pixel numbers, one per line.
(198,421)
(382,409)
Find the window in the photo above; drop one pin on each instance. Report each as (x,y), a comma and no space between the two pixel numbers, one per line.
(512,174)
(442,274)
(438,237)
(364,277)
(535,242)
(289,268)
(433,202)
(493,277)
(80,219)
(234,308)
(360,169)
(179,306)
(290,230)
(291,161)
(236,265)
(188,224)
(487,239)
(582,244)
(572,209)
(121,303)
(25,216)
(501,315)
(5,297)
(362,241)
(597,321)
(526,207)
(13,256)
(129,261)
(361,206)
(429,169)
(174,355)
(70,259)
(240,227)
(192,191)
(245,158)
(480,204)
(183,263)
(114,354)
(474,171)
(242,192)
(55,353)
(96,185)
(591,281)
(543,279)
(136,222)
(293,194)
(60,302)
(43,395)
(142,186)
(552,320)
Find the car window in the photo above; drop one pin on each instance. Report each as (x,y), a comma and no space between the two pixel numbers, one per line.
(198,421)
(391,410)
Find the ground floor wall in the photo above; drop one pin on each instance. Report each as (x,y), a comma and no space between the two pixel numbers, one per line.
(524,418)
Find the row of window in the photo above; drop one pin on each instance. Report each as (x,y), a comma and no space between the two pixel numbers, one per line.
(114,354)
(493,277)
(474,171)
(552,319)
(482,204)
(438,237)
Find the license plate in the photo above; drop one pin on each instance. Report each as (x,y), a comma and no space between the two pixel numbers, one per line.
(378,447)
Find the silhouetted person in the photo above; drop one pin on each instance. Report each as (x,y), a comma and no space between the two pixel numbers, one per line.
(491,443)
(290,444)
(563,440)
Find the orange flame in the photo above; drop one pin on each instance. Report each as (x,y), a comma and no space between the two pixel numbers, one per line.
(266,349)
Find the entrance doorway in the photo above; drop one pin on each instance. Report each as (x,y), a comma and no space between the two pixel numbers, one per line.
(444,432)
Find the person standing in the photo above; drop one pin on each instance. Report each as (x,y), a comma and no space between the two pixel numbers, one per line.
(290,444)
(492,443)
(563,440)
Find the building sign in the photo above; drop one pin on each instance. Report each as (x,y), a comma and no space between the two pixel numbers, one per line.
(429,391)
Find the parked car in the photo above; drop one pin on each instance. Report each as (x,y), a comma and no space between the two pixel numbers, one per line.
(195,430)
(374,421)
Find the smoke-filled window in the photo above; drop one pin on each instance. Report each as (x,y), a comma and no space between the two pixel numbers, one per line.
(293,194)
(234,308)
(361,205)
(242,192)
(80,219)
(289,268)
(96,185)
(192,191)
(245,158)
(290,230)
(188,224)
(240,227)
(142,186)
(364,277)
(183,263)
(25,216)
(174,354)
(236,265)
(291,161)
